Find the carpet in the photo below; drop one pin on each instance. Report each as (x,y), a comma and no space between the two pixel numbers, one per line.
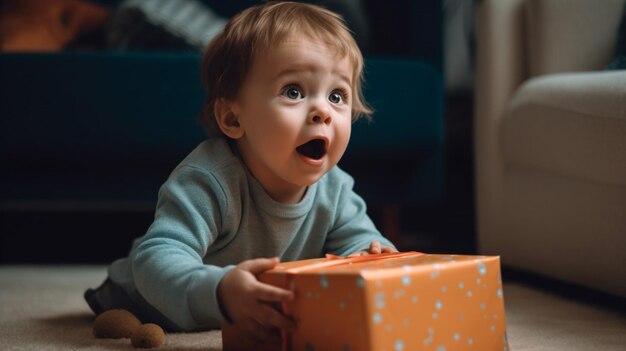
(41,308)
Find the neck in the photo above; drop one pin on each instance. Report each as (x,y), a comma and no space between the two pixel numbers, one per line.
(287,197)
(277,189)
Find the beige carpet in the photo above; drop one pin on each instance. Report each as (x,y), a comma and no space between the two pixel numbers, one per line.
(41,308)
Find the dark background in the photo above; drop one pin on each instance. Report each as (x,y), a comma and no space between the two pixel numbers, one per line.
(398,29)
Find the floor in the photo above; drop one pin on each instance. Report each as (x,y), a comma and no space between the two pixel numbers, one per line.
(41,308)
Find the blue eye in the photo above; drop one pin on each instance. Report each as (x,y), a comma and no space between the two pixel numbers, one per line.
(292,93)
(335,98)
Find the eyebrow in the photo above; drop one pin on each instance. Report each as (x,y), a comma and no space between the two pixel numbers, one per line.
(299,69)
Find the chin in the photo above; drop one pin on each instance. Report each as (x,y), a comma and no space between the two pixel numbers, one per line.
(310,180)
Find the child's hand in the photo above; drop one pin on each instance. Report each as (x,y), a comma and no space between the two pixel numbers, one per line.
(247,302)
(374,248)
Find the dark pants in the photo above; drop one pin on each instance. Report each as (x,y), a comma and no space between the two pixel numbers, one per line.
(109,296)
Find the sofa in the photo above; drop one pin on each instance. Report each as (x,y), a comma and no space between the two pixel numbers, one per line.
(88,136)
(550,140)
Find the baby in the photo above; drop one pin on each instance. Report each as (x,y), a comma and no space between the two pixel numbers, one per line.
(284,86)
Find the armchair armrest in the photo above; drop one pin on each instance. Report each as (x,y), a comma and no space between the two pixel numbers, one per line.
(499,71)
(519,39)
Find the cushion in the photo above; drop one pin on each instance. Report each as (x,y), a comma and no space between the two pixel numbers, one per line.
(570,124)
(47,25)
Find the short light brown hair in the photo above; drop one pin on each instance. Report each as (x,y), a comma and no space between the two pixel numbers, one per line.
(229,56)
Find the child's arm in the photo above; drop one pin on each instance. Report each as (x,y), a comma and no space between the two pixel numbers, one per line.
(247,302)
(353,232)
(167,263)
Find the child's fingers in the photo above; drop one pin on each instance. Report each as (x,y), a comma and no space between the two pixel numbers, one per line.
(259,265)
(263,334)
(359,253)
(271,317)
(388,249)
(270,293)
(375,247)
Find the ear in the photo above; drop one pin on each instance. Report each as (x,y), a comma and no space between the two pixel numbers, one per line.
(226,117)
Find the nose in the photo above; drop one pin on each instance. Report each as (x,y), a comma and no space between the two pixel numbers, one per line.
(318,115)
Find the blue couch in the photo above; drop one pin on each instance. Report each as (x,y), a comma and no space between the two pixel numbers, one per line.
(84,135)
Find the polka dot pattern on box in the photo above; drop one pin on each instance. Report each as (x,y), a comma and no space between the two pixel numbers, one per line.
(415,302)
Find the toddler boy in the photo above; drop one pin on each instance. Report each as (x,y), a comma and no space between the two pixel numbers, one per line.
(284,86)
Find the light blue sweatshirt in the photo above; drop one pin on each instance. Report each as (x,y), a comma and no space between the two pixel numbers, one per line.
(212,214)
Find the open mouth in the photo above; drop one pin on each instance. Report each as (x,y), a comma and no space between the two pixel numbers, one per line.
(314,149)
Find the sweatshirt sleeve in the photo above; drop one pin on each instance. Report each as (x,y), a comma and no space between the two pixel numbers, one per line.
(167,265)
(353,230)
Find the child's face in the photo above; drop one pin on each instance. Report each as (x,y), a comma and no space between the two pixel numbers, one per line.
(295,112)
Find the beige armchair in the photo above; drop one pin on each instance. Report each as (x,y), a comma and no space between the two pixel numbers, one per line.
(550,139)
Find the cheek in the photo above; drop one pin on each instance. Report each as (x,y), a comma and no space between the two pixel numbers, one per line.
(345,137)
(275,130)
(348,130)
(257,119)
(284,121)
(344,128)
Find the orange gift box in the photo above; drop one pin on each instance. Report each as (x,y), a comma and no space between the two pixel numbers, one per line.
(388,302)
